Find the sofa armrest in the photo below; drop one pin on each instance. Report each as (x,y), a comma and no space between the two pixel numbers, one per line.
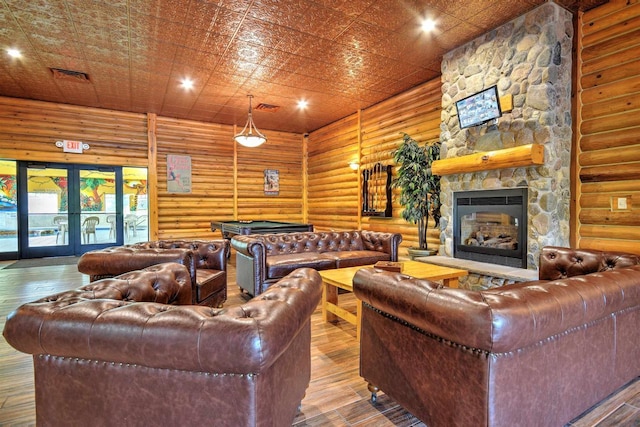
(243,339)
(382,242)
(558,262)
(251,263)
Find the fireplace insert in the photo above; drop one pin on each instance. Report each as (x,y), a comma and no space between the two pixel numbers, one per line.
(491,226)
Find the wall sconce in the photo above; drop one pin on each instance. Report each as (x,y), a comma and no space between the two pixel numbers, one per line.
(354,166)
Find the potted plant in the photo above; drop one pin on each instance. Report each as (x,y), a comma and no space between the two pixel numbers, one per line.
(419,188)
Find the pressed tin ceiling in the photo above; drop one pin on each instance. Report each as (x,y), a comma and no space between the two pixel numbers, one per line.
(339,55)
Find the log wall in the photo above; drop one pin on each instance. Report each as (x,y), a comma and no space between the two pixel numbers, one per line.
(227,181)
(607,159)
(369,137)
(211,148)
(29,130)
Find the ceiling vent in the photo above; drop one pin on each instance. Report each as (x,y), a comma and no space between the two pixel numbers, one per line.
(267,108)
(69,75)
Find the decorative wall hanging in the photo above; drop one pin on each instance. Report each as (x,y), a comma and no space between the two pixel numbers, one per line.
(271,182)
(178,174)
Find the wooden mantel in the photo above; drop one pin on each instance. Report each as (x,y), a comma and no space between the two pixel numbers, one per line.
(524,155)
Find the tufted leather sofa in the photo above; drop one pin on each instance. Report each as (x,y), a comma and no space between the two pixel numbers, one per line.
(107,354)
(262,259)
(529,354)
(205,259)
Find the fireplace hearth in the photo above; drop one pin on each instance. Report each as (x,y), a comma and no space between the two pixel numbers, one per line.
(491,226)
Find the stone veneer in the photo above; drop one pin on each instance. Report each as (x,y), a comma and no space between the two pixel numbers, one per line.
(529,58)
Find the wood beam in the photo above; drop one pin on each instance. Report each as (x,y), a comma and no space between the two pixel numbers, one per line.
(524,155)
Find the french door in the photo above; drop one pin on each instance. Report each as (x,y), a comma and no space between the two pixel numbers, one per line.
(67,209)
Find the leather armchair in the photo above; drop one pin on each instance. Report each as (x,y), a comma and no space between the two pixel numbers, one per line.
(107,355)
(205,260)
(531,353)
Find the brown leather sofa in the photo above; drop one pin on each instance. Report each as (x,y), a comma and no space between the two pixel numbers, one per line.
(529,354)
(262,259)
(103,357)
(205,259)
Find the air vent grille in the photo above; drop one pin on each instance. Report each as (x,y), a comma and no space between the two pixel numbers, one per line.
(267,107)
(69,75)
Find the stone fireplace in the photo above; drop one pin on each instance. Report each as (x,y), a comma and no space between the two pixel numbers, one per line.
(529,59)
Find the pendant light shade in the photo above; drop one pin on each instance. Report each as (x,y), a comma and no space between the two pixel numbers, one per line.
(250,135)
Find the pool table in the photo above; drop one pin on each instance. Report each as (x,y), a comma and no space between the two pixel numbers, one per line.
(232,228)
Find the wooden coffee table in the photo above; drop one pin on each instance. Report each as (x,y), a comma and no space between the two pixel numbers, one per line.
(343,278)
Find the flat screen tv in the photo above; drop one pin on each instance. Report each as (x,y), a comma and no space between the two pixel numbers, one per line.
(479,108)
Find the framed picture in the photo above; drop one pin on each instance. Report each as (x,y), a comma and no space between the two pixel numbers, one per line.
(271,182)
(178,174)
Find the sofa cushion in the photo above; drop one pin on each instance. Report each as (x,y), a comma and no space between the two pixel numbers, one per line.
(344,259)
(281,265)
(209,282)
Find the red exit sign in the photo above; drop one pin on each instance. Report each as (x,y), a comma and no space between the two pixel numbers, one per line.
(72,146)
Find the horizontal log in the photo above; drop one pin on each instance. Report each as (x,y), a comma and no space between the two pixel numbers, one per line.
(610,156)
(611,61)
(602,110)
(613,138)
(607,46)
(609,75)
(610,232)
(524,155)
(611,187)
(601,244)
(614,89)
(623,171)
(599,22)
(608,217)
(604,200)
(610,123)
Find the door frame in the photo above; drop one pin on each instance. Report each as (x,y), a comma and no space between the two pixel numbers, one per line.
(74,244)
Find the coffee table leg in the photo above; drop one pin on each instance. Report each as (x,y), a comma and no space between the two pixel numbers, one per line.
(329,295)
(451,283)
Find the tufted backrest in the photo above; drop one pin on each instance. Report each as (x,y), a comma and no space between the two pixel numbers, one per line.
(208,254)
(167,283)
(559,262)
(116,260)
(330,241)
(500,319)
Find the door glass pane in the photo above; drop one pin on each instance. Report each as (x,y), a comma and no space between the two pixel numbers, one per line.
(8,207)
(97,207)
(47,192)
(135,205)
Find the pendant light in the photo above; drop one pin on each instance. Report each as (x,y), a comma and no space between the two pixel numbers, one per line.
(250,135)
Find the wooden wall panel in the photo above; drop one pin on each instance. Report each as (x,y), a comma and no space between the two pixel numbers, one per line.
(284,153)
(210,146)
(333,195)
(29,130)
(608,129)
(369,137)
(417,113)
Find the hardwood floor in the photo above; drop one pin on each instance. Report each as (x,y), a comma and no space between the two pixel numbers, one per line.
(336,396)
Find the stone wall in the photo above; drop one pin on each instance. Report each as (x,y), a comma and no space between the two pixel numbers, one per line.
(529,58)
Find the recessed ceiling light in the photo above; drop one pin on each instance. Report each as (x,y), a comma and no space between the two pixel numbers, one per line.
(302,104)
(428,25)
(14,53)
(186,83)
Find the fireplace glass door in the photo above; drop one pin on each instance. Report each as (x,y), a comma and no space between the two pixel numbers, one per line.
(491,226)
